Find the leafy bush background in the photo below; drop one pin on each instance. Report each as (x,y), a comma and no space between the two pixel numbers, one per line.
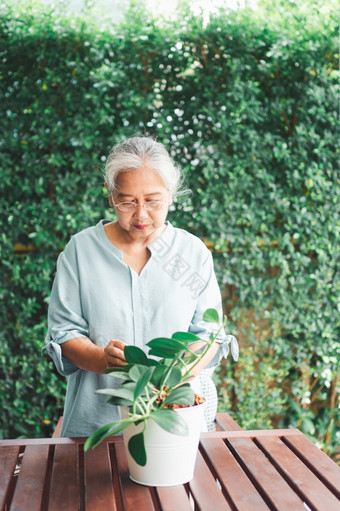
(248,106)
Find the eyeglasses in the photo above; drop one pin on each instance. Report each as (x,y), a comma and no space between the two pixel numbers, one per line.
(152,205)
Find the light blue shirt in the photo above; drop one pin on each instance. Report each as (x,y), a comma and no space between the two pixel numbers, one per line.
(96,295)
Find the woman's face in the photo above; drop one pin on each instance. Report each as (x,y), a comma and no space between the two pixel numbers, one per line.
(141,186)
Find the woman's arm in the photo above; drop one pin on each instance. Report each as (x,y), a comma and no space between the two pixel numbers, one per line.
(87,356)
(196,346)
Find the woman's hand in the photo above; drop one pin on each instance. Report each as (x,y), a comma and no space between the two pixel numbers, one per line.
(88,356)
(114,353)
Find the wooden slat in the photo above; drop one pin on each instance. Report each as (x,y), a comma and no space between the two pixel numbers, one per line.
(29,489)
(273,488)
(226,423)
(99,494)
(204,489)
(173,498)
(234,481)
(251,433)
(8,460)
(136,497)
(321,464)
(65,479)
(304,482)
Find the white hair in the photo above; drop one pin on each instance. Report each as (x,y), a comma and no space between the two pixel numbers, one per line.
(135,152)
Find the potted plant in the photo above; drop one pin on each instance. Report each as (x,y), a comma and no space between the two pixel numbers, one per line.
(156,401)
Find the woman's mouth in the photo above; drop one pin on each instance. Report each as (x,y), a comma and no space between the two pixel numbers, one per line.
(141,227)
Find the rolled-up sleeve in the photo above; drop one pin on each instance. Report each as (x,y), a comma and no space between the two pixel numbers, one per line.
(64,366)
(65,319)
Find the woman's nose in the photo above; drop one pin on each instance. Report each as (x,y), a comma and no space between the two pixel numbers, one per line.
(140,211)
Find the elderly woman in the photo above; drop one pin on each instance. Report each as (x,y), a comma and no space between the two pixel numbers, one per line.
(126,282)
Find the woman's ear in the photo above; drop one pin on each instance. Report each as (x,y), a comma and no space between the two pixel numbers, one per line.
(109,195)
(169,199)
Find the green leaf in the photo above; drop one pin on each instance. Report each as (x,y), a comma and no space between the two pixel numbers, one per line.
(98,436)
(174,378)
(142,382)
(166,348)
(135,355)
(119,401)
(105,431)
(185,337)
(211,316)
(136,448)
(158,375)
(136,372)
(120,375)
(128,399)
(180,396)
(170,421)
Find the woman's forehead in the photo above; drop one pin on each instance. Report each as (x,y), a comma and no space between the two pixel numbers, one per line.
(142,181)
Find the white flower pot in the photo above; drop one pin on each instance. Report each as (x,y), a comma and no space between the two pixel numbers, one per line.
(170,458)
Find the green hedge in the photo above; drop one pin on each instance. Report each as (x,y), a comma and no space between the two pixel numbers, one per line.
(248,106)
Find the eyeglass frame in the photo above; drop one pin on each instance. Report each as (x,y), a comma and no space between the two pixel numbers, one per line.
(136,204)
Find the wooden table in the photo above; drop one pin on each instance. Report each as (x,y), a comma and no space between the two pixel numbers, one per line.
(235,470)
